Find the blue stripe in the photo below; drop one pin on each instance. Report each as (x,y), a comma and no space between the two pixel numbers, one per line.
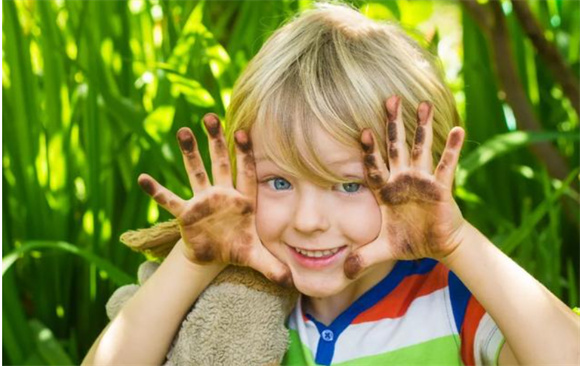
(402,269)
(459,295)
(325,349)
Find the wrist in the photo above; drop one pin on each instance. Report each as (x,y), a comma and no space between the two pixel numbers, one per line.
(464,234)
(211,269)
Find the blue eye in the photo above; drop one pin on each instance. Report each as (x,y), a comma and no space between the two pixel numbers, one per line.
(349,187)
(279,184)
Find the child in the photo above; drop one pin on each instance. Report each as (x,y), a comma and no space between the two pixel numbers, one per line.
(335,126)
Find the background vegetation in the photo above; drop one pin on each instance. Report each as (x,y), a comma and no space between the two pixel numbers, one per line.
(94,92)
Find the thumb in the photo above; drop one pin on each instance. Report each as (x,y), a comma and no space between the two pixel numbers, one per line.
(364,257)
(264,262)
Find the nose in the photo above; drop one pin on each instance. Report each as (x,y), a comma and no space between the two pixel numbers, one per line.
(310,215)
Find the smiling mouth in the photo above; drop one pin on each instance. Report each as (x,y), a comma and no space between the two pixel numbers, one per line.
(318,253)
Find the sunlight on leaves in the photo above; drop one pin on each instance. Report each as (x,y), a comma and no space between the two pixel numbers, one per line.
(191,90)
(377,11)
(219,59)
(57,163)
(159,122)
(415,12)
(136,6)
(88,222)
(41,162)
(152,212)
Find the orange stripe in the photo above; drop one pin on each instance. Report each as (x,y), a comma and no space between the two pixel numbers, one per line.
(473,315)
(397,302)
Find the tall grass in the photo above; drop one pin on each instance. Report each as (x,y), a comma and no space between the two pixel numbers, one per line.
(94,92)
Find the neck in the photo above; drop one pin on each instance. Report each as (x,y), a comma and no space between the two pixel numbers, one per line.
(327,309)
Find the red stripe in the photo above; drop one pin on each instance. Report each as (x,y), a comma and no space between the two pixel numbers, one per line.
(397,302)
(473,315)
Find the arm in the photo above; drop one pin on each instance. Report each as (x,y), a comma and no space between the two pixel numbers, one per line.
(143,330)
(421,219)
(217,226)
(538,327)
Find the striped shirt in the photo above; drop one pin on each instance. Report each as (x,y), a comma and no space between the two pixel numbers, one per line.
(419,314)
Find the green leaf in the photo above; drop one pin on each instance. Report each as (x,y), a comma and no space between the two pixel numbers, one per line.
(191,90)
(117,275)
(531,221)
(572,283)
(381,10)
(159,122)
(501,145)
(48,347)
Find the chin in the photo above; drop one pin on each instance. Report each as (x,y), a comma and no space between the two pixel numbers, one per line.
(319,287)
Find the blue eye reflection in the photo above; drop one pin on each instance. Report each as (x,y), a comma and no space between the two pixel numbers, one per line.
(279,184)
(350,187)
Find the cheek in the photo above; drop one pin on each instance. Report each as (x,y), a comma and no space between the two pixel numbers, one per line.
(270,218)
(360,219)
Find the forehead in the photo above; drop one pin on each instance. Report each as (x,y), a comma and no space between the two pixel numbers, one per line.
(328,149)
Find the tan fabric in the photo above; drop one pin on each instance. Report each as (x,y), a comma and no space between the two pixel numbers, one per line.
(156,241)
(237,320)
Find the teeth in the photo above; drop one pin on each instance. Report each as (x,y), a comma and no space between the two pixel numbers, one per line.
(317,253)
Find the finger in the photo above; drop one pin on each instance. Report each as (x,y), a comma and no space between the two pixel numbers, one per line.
(376,172)
(163,196)
(364,257)
(396,141)
(192,160)
(220,162)
(271,267)
(445,170)
(421,155)
(246,172)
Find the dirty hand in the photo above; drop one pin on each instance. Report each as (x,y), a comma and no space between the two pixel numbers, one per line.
(419,216)
(218,224)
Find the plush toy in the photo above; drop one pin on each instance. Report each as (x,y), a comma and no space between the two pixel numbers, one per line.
(238,319)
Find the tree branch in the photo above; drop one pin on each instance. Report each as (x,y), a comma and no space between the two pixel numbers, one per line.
(549,53)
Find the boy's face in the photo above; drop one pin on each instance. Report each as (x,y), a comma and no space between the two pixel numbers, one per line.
(328,222)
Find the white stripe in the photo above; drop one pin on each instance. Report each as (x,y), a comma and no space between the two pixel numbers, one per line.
(307,331)
(425,319)
(488,339)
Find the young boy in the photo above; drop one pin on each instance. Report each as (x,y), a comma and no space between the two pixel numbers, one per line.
(338,196)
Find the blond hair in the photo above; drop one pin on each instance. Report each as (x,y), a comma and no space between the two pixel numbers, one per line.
(332,67)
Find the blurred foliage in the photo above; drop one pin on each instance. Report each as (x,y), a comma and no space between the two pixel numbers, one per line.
(94,92)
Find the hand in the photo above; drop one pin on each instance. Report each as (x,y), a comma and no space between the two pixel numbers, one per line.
(419,216)
(218,224)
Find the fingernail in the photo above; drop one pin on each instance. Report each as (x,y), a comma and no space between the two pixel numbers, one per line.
(242,141)
(212,124)
(393,107)
(456,138)
(185,139)
(146,185)
(423,112)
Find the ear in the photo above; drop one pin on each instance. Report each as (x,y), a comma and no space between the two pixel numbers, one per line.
(156,241)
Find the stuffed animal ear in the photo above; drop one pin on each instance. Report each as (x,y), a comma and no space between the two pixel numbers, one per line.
(156,241)
(119,298)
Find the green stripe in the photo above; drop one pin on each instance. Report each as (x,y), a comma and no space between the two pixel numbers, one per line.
(297,353)
(439,351)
